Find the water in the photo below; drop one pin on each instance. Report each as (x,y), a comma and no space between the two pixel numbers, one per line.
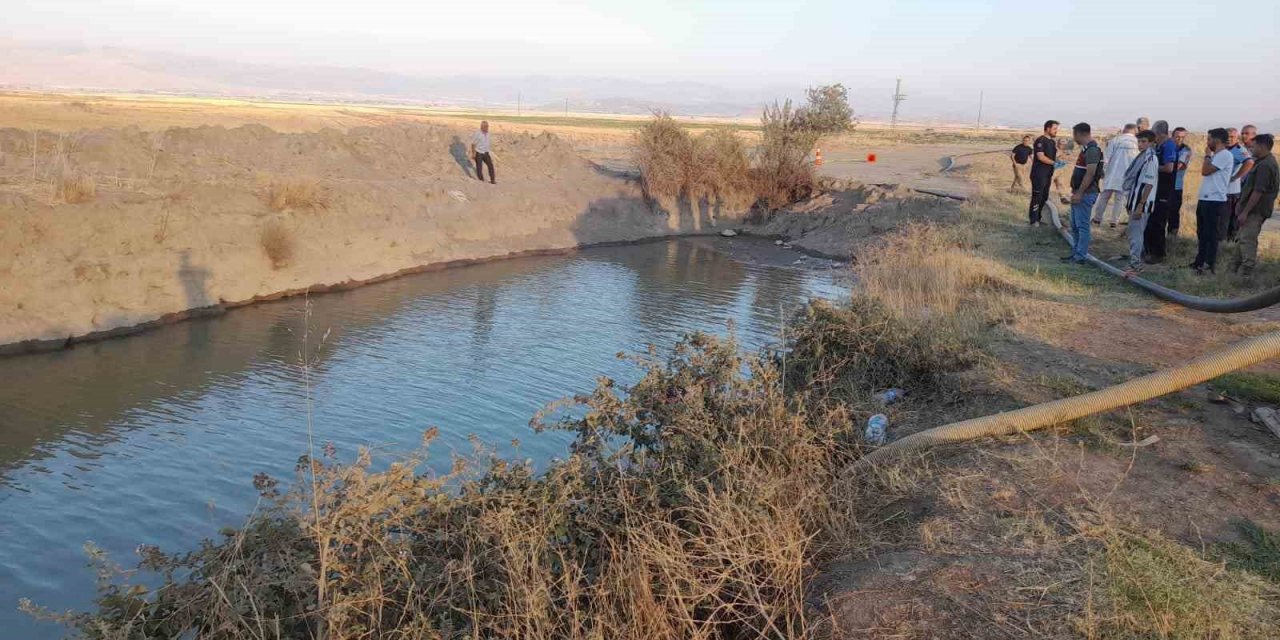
(155,438)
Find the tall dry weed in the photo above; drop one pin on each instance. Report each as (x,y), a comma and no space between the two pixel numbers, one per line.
(277,243)
(76,187)
(298,194)
(664,152)
(782,172)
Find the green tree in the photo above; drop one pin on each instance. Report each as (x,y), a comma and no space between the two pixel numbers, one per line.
(828,109)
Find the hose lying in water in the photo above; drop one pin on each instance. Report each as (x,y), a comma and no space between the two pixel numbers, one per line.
(1204,368)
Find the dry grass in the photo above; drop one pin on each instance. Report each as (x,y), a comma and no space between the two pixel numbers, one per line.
(76,187)
(298,194)
(277,243)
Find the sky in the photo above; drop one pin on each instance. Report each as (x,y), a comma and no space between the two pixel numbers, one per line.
(1102,59)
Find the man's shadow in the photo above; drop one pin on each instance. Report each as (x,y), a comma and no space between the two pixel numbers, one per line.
(459,152)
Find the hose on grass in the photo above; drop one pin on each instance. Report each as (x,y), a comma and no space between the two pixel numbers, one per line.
(1153,385)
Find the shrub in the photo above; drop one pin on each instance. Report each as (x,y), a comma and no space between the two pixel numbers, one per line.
(782,172)
(722,164)
(664,153)
(76,187)
(828,110)
(297,193)
(276,243)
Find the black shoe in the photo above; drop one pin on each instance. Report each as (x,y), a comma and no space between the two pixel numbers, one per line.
(1068,259)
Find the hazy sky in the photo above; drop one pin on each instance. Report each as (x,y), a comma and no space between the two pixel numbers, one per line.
(1108,59)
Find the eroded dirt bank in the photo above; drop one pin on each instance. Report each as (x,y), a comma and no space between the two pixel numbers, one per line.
(196,218)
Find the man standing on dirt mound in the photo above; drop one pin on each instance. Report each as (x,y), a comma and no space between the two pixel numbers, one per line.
(1046,153)
(480,150)
(1085,178)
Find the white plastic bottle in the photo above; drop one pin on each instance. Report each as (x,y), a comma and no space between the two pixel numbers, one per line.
(876,427)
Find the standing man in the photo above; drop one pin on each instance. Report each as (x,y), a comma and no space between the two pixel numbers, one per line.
(1085,179)
(481,150)
(1180,172)
(1257,201)
(1140,180)
(1167,156)
(1120,153)
(1020,154)
(1243,162)
(1213,199)
(1143,123)
(1046,153)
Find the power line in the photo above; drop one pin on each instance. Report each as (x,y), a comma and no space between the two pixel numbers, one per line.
(898,97)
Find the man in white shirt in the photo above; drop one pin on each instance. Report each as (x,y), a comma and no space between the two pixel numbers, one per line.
(1141,198)
(1121,151)
(481,151)
(1213,199)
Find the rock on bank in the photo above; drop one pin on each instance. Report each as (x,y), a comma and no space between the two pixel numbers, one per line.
(187,219)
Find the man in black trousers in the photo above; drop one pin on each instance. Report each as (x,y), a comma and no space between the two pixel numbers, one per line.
(1046,153)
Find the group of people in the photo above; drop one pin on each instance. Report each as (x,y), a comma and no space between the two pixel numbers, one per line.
(1142,170)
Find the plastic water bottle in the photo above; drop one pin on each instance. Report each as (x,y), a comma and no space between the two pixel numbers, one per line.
(890,396)
(876,427)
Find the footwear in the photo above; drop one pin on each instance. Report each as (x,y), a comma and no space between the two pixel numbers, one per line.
(1113,225)
(1097,222)
(1123,222)
(1067,259)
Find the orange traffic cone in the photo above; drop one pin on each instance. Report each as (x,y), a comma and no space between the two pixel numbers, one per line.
(871,158)
(818,160)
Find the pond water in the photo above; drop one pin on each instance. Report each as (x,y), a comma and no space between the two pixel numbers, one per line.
(155,438)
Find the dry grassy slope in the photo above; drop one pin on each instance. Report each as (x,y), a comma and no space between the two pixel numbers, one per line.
(178,215)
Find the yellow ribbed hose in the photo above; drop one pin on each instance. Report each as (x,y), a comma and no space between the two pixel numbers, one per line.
(1206,367)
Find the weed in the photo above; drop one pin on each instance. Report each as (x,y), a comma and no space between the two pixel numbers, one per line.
(276,243)
(1256,387)
(1259,553)
(1154,587)
(298,193)
(77,187)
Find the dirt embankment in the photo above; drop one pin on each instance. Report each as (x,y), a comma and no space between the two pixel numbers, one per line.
(209,217)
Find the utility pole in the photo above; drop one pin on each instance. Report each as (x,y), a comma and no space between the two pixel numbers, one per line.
(566,107)
(518,104)
(898,97)
(979,110)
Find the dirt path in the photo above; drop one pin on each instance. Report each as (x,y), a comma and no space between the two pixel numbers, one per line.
(915,166)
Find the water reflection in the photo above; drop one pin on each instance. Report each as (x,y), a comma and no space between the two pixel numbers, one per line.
(154,438)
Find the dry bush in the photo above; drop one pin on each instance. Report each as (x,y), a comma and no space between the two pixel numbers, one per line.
(276,243)
(664,153)
(298,193)
(75,187)
(723,164)
(782,173)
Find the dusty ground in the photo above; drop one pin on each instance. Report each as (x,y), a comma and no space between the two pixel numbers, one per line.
(1024,537)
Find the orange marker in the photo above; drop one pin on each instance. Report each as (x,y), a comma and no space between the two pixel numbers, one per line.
(818,160)
(871,157)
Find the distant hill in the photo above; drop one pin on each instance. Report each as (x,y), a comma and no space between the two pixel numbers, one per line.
(117,69)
